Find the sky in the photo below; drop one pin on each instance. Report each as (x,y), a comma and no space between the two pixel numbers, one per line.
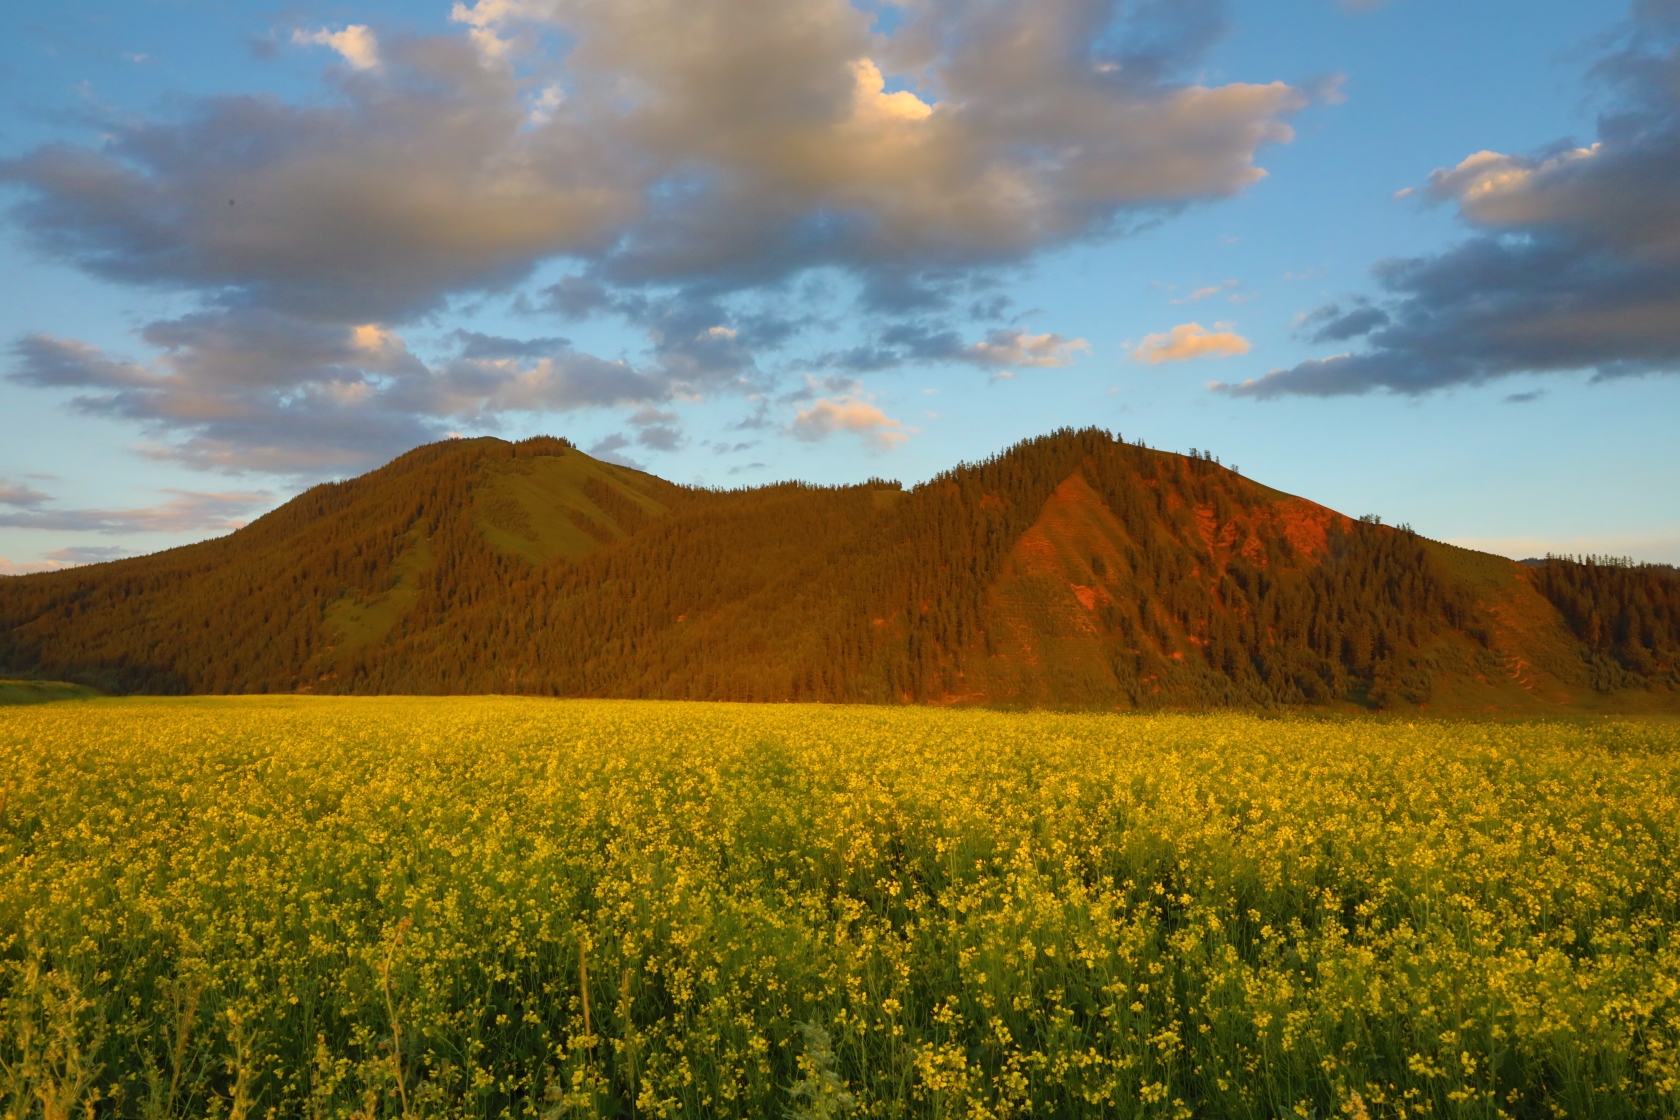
(1409,258)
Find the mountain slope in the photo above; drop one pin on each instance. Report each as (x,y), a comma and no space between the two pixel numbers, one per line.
(1071,570)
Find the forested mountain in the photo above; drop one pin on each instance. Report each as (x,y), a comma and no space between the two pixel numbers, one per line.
(1071,570)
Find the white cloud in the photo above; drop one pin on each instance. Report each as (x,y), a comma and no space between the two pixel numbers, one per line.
(1190,340)
(546,104)
(355,43)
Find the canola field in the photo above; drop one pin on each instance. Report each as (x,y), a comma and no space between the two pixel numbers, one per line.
(254,908)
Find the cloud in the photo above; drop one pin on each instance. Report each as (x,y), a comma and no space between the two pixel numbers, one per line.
(664,161)
(1222,288)
(608,448)
(692,343)
(1190,340)
(89,554)
(660,437)
(61,558)
(647,414)
(1339,326)
(924,343)
(21,495)
(188,511)
(1018,348)
(735,150)
(691,172)
(1574,264)
(476,346)
(816,387)
(849,414)
(9,568)
(732,448)
(355,42)
(251,390)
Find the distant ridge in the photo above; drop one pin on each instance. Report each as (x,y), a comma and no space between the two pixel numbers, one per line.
(1072,570)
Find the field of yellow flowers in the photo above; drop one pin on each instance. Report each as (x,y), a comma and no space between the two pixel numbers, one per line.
(292,907)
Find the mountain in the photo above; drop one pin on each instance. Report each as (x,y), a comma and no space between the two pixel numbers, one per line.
(1072,570)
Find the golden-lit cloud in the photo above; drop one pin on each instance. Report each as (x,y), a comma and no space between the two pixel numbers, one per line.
(870,103)
(8,568)
(355,43)
(1496,189)
(849,414)
(1190,340)
(1018,348)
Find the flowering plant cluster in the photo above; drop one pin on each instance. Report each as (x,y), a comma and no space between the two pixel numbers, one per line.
(493,907)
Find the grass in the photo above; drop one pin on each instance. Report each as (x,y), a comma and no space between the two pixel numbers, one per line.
(42,692)
(523,505)
(494,907)
(357,622)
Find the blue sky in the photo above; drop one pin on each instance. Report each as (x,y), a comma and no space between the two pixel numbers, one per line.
(249,248)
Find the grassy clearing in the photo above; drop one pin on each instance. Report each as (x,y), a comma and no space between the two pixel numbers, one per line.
(42,692)
(489,907)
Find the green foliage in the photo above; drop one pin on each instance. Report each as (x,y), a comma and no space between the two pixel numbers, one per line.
(1626,614)
(819,1094)
(42,692)
(299,907)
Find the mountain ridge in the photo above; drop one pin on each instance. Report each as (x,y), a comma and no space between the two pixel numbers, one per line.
(1072,570)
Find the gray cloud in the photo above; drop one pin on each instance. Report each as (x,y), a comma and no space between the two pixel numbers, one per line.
(920,342)
(476,346)
(188,511)
(647,414)
(733,150)
(694,172)
(88,554)
(257,390)
(731,448)
(418,183)
(21,496)
(1576,265)
(697,341)
(1339,326)
(815,387)
(609,449)
(660,437)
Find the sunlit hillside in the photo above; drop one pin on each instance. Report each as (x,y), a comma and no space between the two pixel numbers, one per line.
(1074,570)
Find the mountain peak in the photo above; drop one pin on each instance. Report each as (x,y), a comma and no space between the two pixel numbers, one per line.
(1069,570)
